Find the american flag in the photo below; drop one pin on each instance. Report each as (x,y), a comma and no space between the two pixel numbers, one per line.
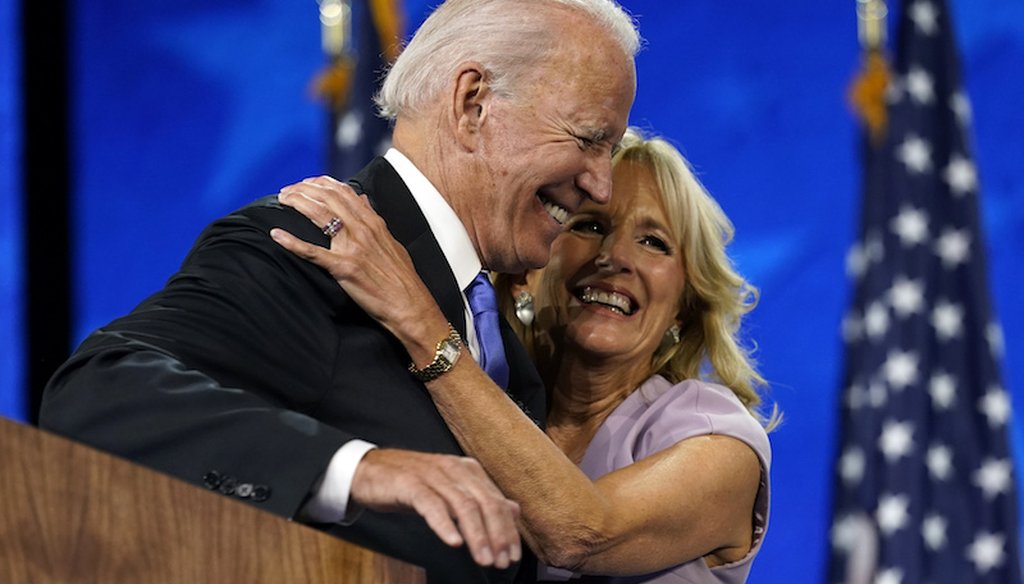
(924,487)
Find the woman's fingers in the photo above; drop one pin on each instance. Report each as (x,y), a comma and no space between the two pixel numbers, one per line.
(364,258)
(321,198)
(316,211)
(307,251)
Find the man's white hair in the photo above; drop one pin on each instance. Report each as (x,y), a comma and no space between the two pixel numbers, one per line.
(510,38)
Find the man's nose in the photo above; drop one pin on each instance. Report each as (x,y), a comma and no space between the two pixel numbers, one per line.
(596,179)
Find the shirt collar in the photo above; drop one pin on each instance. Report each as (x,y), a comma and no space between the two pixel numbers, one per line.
(448,230)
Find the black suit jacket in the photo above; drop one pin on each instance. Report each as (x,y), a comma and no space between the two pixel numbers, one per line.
(251,367)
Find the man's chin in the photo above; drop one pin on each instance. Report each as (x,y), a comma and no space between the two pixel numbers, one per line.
(537,260)
(520,261)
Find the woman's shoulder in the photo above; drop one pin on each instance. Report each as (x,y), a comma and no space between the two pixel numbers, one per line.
(673,412)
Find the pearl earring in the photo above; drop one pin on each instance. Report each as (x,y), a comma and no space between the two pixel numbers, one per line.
(524,308)
(673,333)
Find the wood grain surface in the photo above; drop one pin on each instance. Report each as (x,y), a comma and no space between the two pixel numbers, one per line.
(69,513)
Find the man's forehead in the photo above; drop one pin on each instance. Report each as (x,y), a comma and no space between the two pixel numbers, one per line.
(602,115)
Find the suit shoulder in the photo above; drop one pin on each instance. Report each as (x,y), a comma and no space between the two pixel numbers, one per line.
(265,209)
(258,218)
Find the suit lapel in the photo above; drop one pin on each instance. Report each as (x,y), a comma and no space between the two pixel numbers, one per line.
(393,201)
(524,384)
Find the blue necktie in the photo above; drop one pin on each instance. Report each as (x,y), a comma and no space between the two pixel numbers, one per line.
(484,305)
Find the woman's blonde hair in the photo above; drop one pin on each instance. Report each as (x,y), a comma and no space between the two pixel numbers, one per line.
(715,297)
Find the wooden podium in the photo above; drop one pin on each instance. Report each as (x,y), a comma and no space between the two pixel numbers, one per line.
(70,513)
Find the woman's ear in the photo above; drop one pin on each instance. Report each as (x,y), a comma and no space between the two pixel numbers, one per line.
(519,283)
(470,103)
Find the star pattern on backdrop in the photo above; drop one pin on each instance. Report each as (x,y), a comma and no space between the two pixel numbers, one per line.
(925,17)
(889,576)
(933,529)
(995,404)
(940,462)
(892,514)
(911,225)
(924,413)
(896,441)
(920,86)
(953,247)
(961,175)
(916,153)
(906,297)
(987,551)
(948,319)
(942,389)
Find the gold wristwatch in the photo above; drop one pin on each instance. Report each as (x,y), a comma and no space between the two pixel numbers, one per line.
(445,355)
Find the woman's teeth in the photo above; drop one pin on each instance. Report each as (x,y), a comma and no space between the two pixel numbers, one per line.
(613,300)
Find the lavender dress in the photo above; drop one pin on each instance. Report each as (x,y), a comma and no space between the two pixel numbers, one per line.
(658,415)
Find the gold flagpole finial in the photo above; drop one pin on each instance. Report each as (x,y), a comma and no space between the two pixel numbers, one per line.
(867,93)
(335,26)
(332,84)
(871,19)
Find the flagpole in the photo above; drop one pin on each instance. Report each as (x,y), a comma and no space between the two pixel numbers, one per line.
(360,40)
(871,23)
(336,27)
(332,85)
(867,93)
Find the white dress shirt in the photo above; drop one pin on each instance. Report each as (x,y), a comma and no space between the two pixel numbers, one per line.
(329,503)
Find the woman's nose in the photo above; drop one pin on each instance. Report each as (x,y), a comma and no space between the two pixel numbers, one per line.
(614,255)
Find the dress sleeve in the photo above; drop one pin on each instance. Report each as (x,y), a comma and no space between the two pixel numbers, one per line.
(695,408)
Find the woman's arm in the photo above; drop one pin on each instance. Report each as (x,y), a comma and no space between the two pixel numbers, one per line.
(691,500)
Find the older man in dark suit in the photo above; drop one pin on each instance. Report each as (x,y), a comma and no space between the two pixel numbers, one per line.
(252,373)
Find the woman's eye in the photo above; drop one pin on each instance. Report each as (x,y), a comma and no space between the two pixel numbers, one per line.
(586,226)
(656,243)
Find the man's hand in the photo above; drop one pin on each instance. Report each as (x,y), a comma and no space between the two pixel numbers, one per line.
(452,493)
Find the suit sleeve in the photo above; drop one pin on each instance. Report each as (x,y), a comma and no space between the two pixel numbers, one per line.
(216,379)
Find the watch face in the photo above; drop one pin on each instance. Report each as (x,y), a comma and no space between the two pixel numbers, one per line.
(449,351)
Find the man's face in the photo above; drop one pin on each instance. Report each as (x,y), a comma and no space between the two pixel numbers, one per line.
(548,150)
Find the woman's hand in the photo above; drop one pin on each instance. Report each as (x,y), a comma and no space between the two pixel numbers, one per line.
(367,262)
(453,494)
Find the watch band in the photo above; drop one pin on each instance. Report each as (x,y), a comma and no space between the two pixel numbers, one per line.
(446,354)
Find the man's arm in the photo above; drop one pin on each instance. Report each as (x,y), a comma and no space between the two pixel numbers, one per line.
(214,373)
(217,379)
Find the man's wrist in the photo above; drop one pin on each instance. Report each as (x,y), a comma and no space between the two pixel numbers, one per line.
(330,500)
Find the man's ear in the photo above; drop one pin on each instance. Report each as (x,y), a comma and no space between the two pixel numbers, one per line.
(470,103)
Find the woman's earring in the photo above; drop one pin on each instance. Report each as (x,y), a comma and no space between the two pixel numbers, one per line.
(524,308)
(673,333)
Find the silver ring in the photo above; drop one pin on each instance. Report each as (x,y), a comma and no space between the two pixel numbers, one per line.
(332,228)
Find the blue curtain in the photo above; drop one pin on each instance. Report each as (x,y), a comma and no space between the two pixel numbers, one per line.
(12,397)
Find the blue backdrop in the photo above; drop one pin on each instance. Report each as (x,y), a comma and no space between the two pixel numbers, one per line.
(186,110)
(12,397)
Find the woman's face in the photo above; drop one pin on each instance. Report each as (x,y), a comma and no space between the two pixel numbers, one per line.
(616,275)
